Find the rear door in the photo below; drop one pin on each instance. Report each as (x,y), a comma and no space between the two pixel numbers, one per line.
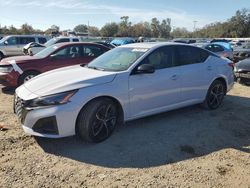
(196,72)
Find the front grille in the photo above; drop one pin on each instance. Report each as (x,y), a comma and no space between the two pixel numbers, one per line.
(19,109)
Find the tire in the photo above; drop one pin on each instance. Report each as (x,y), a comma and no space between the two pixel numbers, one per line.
(97,120)
(1,56)
(215,95)
(26,76)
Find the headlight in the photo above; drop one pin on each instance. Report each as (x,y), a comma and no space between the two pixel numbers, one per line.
(50,100)
(6,69)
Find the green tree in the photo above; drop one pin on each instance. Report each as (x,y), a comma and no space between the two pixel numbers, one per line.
(94,31)
(155,27)
(180,32)
(81,28)
(165,28)
(109,30)
(26,29)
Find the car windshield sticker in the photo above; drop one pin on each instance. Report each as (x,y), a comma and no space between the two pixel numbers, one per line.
(15,66)
(139,50)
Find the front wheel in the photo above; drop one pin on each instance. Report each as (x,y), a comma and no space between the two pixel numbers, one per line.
(27,76)
(215,95)
(97,121)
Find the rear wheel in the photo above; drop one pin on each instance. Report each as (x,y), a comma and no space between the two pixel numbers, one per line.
(26,76)
(97,121)
(215,95)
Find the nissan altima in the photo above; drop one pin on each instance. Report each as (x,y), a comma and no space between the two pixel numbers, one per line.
(126,83)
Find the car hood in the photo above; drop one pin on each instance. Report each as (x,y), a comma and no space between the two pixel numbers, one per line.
(66,79)
(18,59)
(243,65)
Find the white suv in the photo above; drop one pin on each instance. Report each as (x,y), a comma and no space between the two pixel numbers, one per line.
(128,82)
(33,48)
(12,45)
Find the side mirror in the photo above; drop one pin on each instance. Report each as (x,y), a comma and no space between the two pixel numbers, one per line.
(145,69)
(53,56)
(6,42)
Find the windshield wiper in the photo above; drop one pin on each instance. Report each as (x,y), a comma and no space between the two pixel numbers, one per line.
(96,68)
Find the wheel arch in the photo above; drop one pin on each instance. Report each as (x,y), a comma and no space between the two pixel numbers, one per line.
(115,100)
(25,72)
(223,80)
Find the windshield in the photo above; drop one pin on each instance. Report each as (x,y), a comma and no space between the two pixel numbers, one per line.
(3,39)
(50,42)
(118,59)
(45,52)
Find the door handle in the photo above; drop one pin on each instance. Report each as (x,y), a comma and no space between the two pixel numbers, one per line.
(174,77)
(209,68)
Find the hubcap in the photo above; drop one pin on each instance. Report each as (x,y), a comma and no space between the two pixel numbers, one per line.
(105,120)
(27,78)
(216,96)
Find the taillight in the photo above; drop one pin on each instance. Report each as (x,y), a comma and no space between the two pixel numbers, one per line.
(231,64)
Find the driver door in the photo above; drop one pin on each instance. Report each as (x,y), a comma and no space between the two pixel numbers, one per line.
(65,56)
(158,91)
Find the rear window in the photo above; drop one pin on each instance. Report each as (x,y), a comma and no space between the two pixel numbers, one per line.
(62,40)
(75,40)
(190,55)
(26,40)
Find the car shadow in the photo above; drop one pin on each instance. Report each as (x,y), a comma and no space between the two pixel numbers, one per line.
(165,138)
(8,90)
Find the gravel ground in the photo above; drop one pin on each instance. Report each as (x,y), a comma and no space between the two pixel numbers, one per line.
(190,147)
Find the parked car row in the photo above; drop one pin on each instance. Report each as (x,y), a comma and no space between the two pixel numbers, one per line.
(218,48)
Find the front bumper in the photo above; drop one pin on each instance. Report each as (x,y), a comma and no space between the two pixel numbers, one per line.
(52,122)
(7,80)
(243,76)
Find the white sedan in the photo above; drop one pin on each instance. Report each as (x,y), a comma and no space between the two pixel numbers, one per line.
(126,83)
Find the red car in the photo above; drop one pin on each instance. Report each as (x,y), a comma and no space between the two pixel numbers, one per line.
(14,71)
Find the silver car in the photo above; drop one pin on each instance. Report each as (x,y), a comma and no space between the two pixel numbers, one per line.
(12,45)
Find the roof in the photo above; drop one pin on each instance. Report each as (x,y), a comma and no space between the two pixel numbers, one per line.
(151,44)
(75,43)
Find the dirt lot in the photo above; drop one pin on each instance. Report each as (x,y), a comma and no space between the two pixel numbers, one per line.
(190,147)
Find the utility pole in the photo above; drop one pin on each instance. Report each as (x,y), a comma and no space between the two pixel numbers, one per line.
(88,29)
(195,22)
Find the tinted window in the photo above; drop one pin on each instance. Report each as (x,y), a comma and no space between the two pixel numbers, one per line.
(26,40)
(75,40)
(12,41)
(161,58)
(62,40)
(42,40)
(190,55)
(92,51)
(69,52)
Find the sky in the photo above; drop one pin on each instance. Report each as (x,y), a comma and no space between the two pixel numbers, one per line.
(41,14)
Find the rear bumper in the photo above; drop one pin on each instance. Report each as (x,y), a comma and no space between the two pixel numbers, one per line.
(243,75)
